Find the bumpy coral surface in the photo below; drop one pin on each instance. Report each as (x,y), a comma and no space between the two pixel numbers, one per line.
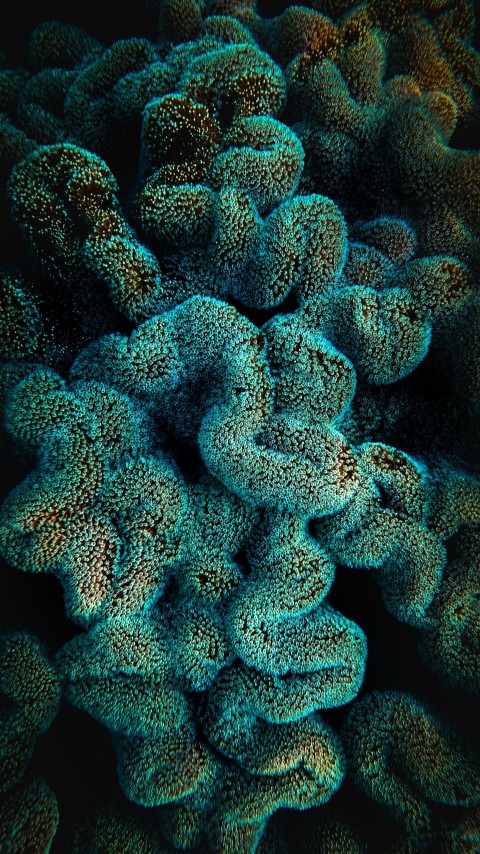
(240,529)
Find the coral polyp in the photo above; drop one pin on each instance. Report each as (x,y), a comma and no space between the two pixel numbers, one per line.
(239,395)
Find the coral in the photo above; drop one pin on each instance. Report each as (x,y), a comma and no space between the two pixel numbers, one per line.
(115,829)
(28,818)
(269,176)
(116,510)
(298,250)
(449,641)
(240,396)
(461,834)
(31,687)
(129,516)
(62,185)
(402,755)
(105,670)
(30,694)
(114,474)
(384,528)
(21,326)
(384,122)
(160,757)
(319,637)
(179,141)
(225,367)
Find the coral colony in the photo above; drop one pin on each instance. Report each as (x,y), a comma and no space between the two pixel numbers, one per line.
(240,383)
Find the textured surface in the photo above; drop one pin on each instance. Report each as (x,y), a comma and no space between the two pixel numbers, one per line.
(240,396)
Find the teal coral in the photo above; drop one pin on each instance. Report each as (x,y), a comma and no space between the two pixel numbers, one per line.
(238,345)
(32,686)
(29,680)
(403,756)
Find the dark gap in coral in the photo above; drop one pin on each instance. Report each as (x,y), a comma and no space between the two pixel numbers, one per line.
(349,804)
(13,245)
(311,527)
(399,770)
(226,113)
(422,413)
(476,34)
(184,454)
(170,592)
(126,20)
(272,8)
(14,465)
(393,659)
(65,757)
(464,138)
(6,704)
(242,560)
(71,319)
(73,315)
(289,115)
(385,498)
(123,157)
(259,316)
(34,603)
(451,547)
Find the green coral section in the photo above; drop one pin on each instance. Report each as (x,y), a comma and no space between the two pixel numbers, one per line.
(239,317)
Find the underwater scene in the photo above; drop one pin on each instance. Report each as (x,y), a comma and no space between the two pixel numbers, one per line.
(239,427)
